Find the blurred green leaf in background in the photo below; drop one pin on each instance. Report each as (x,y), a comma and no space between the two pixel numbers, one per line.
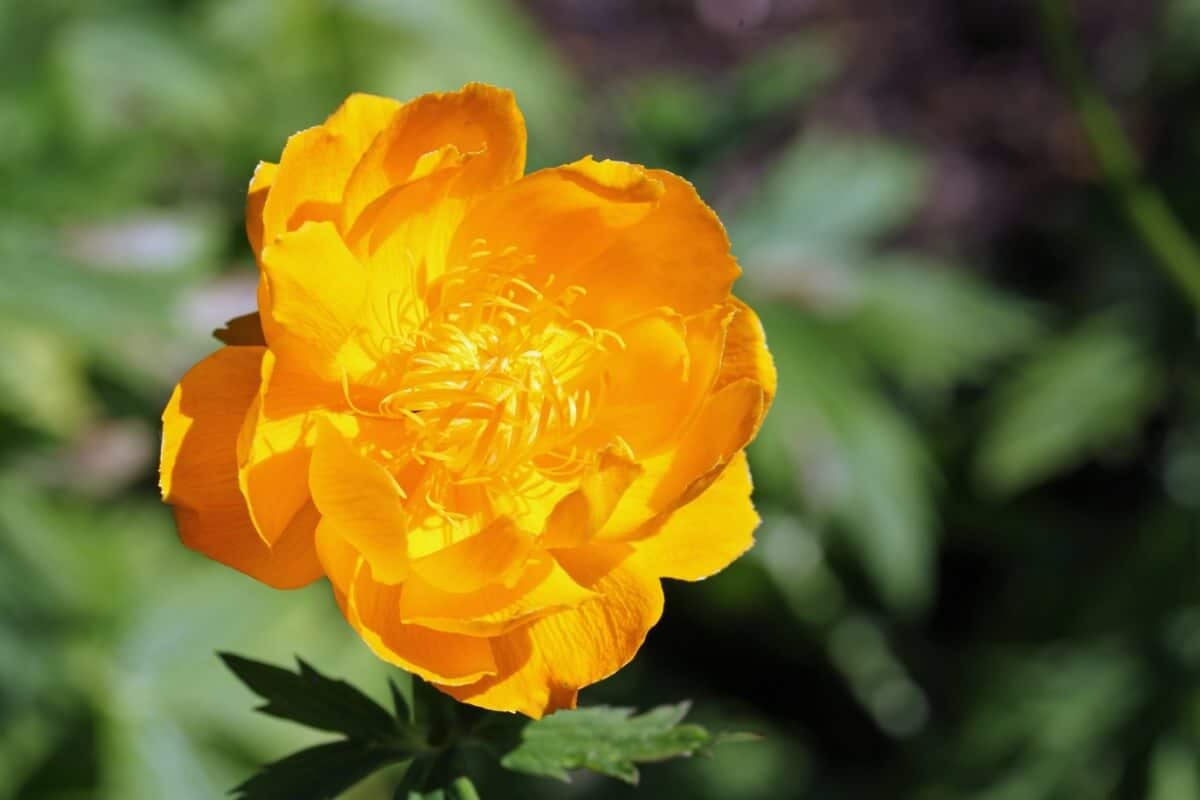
(979,570)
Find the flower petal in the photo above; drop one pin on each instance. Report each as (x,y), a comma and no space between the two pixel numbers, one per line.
(478,119)
(359,501)
(541,588)
(317,290)
(579,515)
(199,473)
(542,666)
(276,439)
(372,609)
(676,255)
(417,218)
(746,354)
(256,199)
(659,382)
(724,425)
(646,383)
(558,219)
(704,536)
(472,563)
(338,559)
(317,162)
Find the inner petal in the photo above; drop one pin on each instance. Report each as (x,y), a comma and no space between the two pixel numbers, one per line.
(487,382)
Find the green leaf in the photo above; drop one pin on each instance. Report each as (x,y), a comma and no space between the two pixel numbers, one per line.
(459,789)
(836,443)
(1179,55)
(310,698)
(123,75)
(105,316)
(316,773)
(1174,770)
(435,713)
(1072,399)
(888,514)
(670,115)
(785,75)
(42,380)
(401,689)
(932,326)
(605,740)
(432,773)
(827,192)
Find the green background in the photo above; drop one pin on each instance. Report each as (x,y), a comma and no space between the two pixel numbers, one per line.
(979,570)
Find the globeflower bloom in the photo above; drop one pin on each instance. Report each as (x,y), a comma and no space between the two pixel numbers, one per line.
(494,409)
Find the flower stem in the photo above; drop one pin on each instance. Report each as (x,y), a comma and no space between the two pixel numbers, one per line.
(1143,205)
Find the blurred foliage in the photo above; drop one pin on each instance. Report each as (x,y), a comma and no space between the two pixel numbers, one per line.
(979,570)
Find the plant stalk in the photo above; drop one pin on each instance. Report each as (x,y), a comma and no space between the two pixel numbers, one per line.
(1145,208)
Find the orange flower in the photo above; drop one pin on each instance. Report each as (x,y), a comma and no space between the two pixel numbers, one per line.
(494,409)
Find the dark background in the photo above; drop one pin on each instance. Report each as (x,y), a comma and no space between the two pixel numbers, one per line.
(979,570)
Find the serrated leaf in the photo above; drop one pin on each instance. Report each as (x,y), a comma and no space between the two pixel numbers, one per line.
(310,698)
(606,740)
(1078,395)
(316,773)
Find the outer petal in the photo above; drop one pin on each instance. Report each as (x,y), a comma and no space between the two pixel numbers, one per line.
(706,535)
(559,219)
(646,383)
(199,472)
(256,199)
(542,666)
(317,290)
(742,387)
(276,441)
(478,119)
(372,609)
(746,354)
(360,501)
(416,218)
(317,162)
(678,255)
(541,588)
(724,425)
(472,563)
(659,382)
(637,239)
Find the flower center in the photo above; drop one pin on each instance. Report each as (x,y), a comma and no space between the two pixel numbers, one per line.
(493,380)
